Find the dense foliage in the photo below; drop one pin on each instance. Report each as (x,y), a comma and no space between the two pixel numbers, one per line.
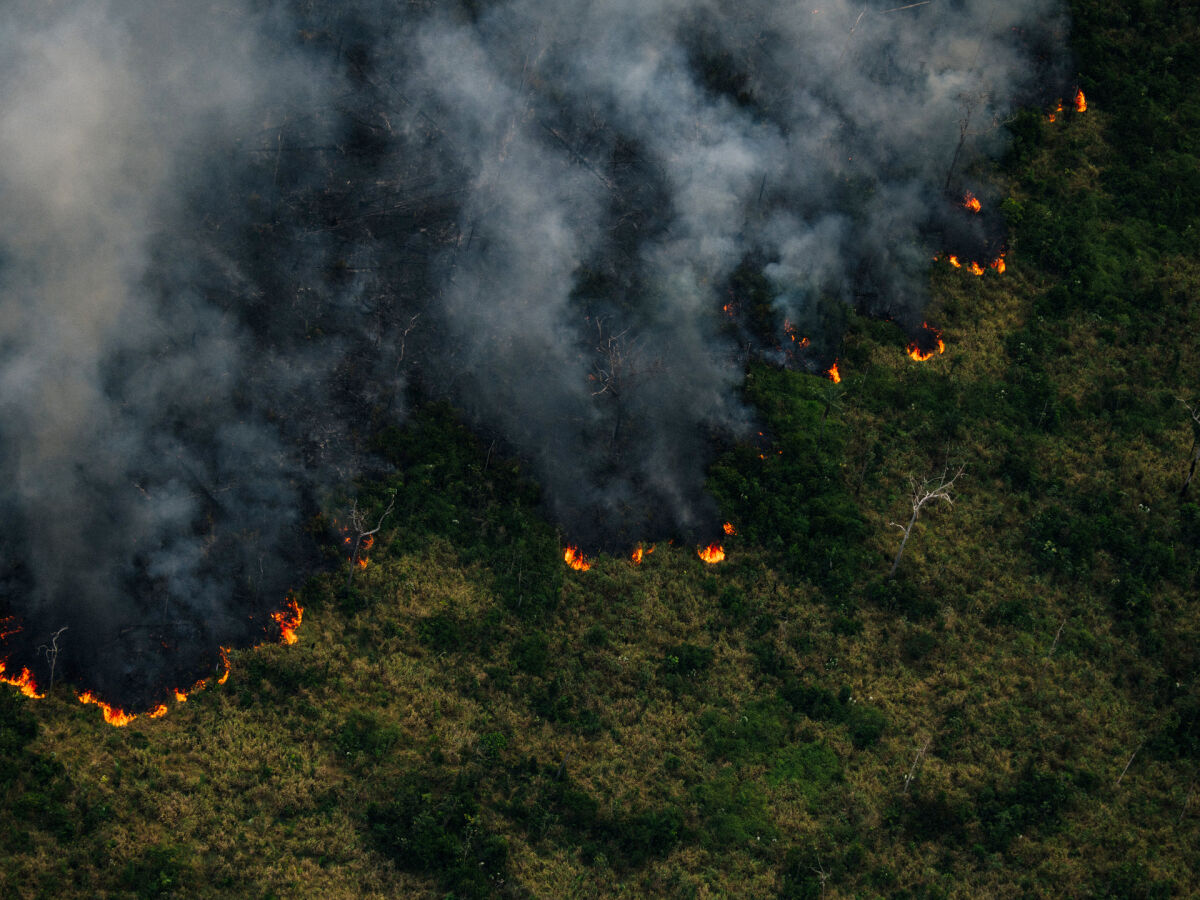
(1017,713)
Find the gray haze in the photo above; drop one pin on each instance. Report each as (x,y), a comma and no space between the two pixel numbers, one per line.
(235,236)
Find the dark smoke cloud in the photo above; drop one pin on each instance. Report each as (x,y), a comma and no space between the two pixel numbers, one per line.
(235,235)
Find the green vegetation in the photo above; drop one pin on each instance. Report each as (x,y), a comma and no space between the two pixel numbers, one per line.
(1017,713)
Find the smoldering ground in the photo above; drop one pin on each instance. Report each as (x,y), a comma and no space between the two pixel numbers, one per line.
(235,236)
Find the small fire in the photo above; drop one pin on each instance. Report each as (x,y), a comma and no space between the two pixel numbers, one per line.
(576,560)
(180,696)
(833,375)
(975,269)
(914,349)
(112,715)
(1080,101)
(289,620)
(790,330)
(998,264)
(729,529)
(158,712)
(713,553)
(363,562)
(953,260)
(971,202)
(22,681)
(636,556)
(225,662)
(1057,111)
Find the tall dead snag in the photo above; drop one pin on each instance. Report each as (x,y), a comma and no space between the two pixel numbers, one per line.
(1194,454)
(934,488)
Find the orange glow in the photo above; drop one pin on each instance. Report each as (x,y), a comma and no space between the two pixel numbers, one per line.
(729,529)
(180,695)
(975,269)
(362,562)
(636,556)
(158,712)
(225,662)
(914,349)
(998,264)
(954,262)
(576,560)
(1080,102)
(289,620)
(971,202)
(23,681)
(1057,109)
(833,375)
(713,553)
(790,330)
(112,715)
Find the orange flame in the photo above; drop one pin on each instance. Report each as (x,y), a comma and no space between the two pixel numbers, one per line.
(180,695)
(22,681)
(576,560)
(362,562)
(289,620)
(998,264)
(158,712)
(636,556)
(833,375)
(954,262)
(914,349)
(713,553)
(971,202)
(1080,101)
(729,529)
(225,662)
(112,715)
(1057,109)
(975,269)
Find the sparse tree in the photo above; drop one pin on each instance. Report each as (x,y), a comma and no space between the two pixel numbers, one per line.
(50,651)
(934,488)
(912,773)
(615,370)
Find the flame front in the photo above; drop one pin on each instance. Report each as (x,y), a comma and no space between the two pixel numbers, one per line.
(225,662)
(833,375)
(576,560)
(289,620)
(971,202)
(112,715)
(713,553)
(23,681)
(914,349)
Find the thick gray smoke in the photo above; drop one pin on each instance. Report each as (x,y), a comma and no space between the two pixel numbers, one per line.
(235,234)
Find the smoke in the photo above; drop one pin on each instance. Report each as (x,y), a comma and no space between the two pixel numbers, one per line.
(235,235)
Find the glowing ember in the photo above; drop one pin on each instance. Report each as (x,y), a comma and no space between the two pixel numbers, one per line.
(971,202)
(636,556)
(998,264)
(23,681)
(225,662)
(289,620)
(112,715)
(975,269)
(158,712)
(790,330)
(363,562)
(833,375)
(1080,102)
(729,529)
(914,349)
(954,262)
(576,560)
(1057,111)
(713,553)
(180,695)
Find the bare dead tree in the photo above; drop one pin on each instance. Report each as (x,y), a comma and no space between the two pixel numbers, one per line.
(615,370)
(934,488)
(50,651)
(1194,453)
(1128,764)
(363,534)
(912,773)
